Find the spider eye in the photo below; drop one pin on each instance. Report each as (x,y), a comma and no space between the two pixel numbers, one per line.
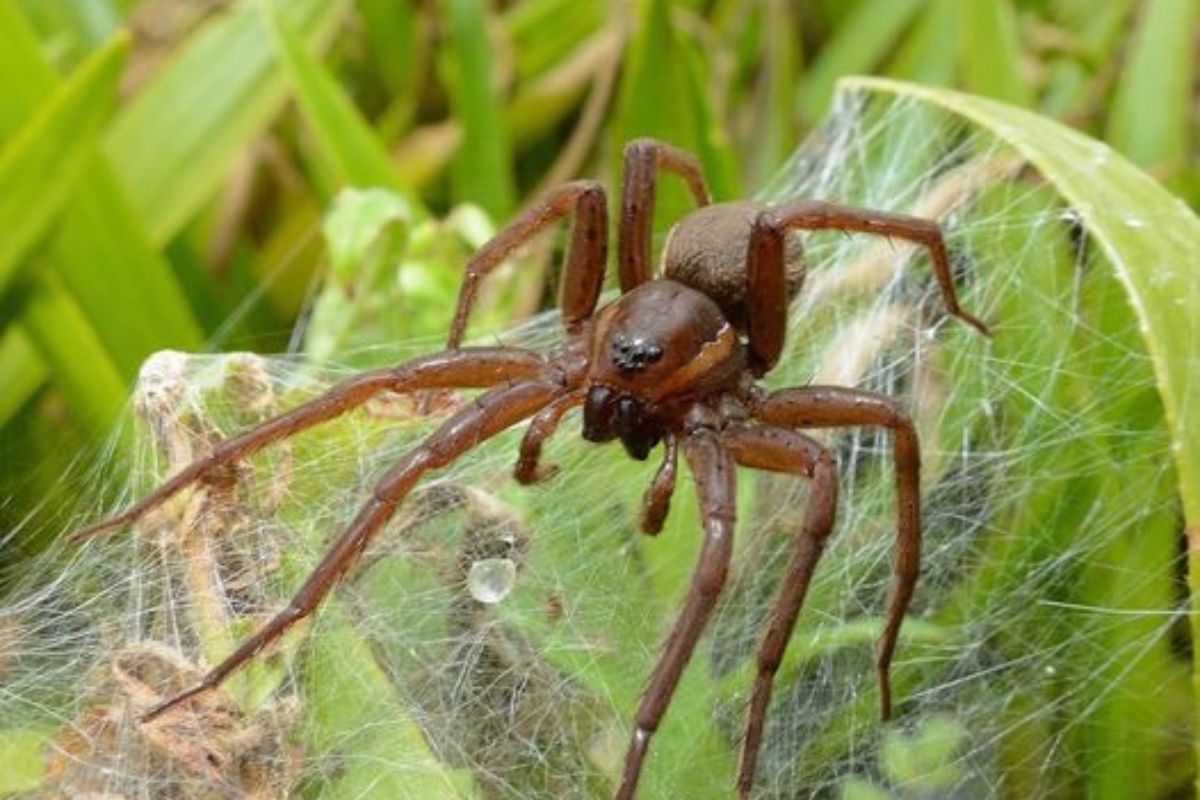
(633,355)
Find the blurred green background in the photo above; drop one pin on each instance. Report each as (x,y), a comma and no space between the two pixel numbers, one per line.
(166,163)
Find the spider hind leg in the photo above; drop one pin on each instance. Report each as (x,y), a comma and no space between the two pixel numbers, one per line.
(781,450)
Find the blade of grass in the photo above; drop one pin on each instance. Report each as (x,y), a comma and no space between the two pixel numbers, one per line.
(39,164)
(655,99)
(482,169)
(21,371)
(173,144)
(930,53)
(545,33)
(991,51)
(858,44)
(392,31)
(713,147)
(26,78)
(1151,119)
(101,251)
(123,284)
(1151,262)
(1071,88)
(74,27)
(78,361)
(346,141)
(782,58)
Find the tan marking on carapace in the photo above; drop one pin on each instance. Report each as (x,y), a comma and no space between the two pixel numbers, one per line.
(711,353)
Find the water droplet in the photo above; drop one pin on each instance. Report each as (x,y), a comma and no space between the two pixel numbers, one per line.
(491,579)
(1135,222)
(1050,670)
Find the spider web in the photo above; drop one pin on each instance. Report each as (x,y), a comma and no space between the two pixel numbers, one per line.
(494,641)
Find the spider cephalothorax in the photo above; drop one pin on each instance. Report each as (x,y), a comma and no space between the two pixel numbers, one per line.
(654,348)
(672,360)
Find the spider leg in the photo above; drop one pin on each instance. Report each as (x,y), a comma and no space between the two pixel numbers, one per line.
(528,469)
(657,500)
(471,368)
(714,475)
(766,263)
(643,159)
(838,407)
(781,450)
(584,270)
(490,414)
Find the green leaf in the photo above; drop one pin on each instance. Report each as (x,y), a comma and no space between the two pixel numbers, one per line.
(1152,115)
(26,79)
(124,285)
(346,141)
(69,346)
(21,371)
(857,45)
(174,143)
(1148,236)
(991,51)
(657,98)
(365,233)
(101,251)
(483,166)
(23,754)
(930,53)
(1071,81)
(40,163)
(355,225)
(355,713)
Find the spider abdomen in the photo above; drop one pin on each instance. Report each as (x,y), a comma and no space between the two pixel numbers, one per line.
(706,250)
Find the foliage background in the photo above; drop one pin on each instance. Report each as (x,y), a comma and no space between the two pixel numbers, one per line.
(165,165)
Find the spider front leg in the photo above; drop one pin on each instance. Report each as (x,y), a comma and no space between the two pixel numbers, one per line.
(471,368)
(840,407)
(583,274)
(766,267)
(490,414)
(781,450)
(713,470)
(643,159)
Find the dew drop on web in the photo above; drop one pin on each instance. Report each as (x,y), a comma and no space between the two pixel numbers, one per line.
(491,579)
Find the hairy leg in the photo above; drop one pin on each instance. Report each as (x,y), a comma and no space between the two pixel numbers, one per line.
(714,474)
(839,407)
(643,160)
(781,450)
(490,414)
(766,265)
(583,274)
(469,368)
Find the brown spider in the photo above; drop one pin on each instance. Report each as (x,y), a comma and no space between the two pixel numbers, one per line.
(673,359)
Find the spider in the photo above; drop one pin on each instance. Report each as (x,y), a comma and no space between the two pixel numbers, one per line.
(674,359)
